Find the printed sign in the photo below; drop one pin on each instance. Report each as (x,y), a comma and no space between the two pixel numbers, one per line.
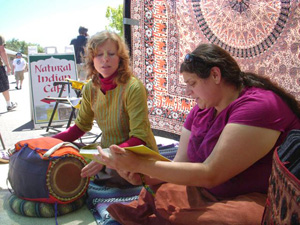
(44,70)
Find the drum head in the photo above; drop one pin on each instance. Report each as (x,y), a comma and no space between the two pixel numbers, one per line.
(63,178)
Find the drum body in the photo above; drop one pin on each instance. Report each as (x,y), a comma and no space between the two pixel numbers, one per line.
(54,179)
(63,178)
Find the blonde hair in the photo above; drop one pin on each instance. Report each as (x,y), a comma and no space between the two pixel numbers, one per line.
(91,50)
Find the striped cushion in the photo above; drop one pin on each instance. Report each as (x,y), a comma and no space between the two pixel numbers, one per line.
(40,209)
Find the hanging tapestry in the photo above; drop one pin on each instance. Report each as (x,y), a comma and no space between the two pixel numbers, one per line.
(263,36)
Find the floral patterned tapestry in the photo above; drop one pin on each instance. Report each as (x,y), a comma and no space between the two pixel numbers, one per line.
(263,36)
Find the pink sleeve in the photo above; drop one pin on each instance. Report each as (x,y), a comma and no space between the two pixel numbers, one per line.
(133,141)
(71,134)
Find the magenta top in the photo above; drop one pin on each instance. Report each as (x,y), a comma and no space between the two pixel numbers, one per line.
(254,107)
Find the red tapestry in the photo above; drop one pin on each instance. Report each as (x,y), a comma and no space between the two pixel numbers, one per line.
(263,36)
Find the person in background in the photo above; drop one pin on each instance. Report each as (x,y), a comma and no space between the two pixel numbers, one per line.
(4,89)
(115,99)
(221,171)
(79,45)
(19,66)
(4,83)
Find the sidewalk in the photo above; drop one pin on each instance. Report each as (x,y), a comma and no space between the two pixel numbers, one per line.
(17,124)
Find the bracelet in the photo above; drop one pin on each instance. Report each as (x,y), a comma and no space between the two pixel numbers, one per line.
(146,186)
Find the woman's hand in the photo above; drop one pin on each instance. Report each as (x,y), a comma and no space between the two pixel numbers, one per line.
(133,178)
(91,169)
(120,159)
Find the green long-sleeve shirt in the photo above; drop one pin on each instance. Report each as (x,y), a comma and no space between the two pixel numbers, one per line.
(120,113)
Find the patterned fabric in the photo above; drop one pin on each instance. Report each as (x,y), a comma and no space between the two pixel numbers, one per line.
(100,197)
(263,36)
(41,209)
(283,202)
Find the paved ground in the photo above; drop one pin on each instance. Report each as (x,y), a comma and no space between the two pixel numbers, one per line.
(17,125)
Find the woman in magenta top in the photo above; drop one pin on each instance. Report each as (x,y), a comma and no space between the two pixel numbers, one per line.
(221,170)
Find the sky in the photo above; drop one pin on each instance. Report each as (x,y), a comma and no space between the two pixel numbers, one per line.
(52,22)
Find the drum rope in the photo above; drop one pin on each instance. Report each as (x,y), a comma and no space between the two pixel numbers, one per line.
(56,213)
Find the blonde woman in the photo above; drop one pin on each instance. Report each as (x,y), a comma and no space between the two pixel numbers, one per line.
(114,98)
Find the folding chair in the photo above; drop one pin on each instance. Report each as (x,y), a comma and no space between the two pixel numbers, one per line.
(73,102)
(98,136)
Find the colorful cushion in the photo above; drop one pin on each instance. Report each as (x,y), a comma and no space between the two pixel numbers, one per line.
(41,209)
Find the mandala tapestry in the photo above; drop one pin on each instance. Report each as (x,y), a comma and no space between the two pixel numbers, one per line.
(263,36)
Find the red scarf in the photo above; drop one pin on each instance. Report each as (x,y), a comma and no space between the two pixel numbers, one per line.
(108,82)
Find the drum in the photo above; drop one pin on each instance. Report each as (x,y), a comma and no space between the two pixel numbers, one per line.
(47,170)
(63,178)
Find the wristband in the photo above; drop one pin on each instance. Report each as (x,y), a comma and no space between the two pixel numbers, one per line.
(146,186)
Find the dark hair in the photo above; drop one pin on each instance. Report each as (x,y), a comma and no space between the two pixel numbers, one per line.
(82,30)
(207,56)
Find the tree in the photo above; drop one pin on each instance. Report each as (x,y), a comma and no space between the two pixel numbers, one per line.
(115,17)
(21,46)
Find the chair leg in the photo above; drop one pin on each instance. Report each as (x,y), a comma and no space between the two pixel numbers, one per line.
(71,116)
(55,107)
(97,138)
(73,112)
(2,142)
(52,116)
